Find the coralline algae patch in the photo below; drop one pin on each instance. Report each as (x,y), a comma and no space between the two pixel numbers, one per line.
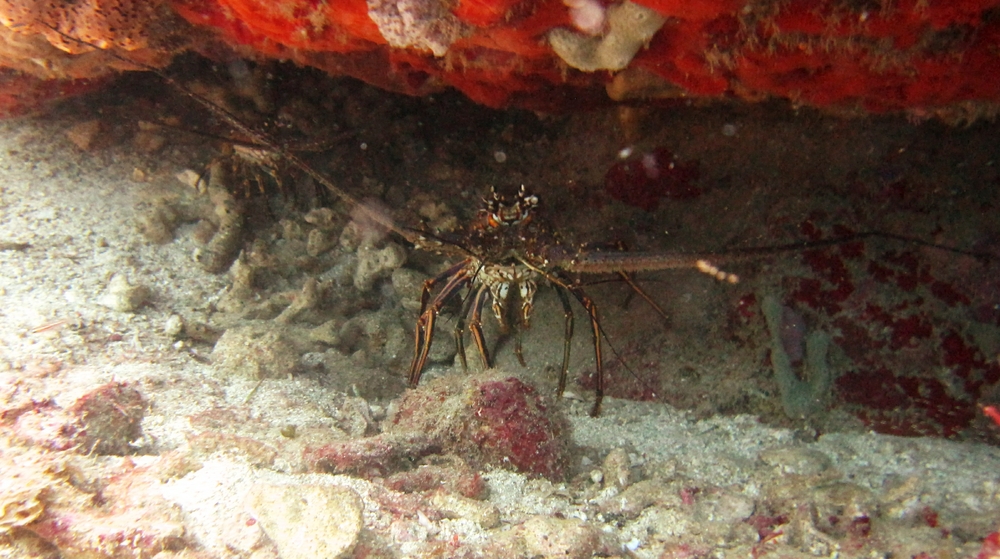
(905,323)
(926,57)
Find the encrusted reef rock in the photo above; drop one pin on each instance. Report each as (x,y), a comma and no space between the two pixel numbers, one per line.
(104,420)
(418,24)
(491,420)
(929,58)
(37,45)
(69,507)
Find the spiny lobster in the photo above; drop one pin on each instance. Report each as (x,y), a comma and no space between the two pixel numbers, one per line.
(504,256)
(507,252)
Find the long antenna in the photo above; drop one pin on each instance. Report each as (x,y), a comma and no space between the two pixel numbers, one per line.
(263,139)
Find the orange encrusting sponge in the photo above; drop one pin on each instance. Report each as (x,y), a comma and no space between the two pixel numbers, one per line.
(923,56)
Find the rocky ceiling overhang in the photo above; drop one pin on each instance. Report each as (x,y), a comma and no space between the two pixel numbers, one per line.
(925,57)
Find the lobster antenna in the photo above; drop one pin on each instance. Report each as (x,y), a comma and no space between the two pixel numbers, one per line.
(843,239)
(616,262)
(262,139)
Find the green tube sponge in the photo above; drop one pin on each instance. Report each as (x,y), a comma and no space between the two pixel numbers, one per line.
(800,397)
(630,27)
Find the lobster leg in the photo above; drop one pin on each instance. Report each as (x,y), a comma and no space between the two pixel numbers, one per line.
(595,326)
(476,326)
(424,336)
(567,337)
(477,335)
(642,293)
(460,333)
(562,285)
(526,289)
(456,277)
(517,348)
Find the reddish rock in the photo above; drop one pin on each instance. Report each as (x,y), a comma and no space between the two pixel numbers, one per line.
(83,508)
(489,420)
(103,421)
(453,475)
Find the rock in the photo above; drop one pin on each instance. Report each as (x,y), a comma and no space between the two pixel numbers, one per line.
(103,421)
(122,296)
(424,26)
(630,28)
(567,538)
(222,249)
(796,460)
(76,513)
(323,218)
(189,177)
(307,299)
(347,374)
(375,338)
(632,501)
(616,468)
(84,134)
(408,284)
(456,506)
(842,505)
(148,141)
(350,414)
(490,420)
(109,418)
(173,326)
(20,498)
(256,351)
(723,507)
(374,456)
(318,242)
(157,223)
(450,474)
(308,521)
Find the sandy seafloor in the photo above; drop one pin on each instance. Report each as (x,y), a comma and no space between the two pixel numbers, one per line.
(696,483)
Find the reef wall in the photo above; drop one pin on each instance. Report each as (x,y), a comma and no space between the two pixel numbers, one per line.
(927,57)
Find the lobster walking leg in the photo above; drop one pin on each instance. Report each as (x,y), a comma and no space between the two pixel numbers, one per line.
(595,326)
(517,348)
(567,337)
(459,332)
(476,326)
(424,331)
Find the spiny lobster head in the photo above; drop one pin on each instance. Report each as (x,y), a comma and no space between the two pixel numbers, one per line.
(503,211)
